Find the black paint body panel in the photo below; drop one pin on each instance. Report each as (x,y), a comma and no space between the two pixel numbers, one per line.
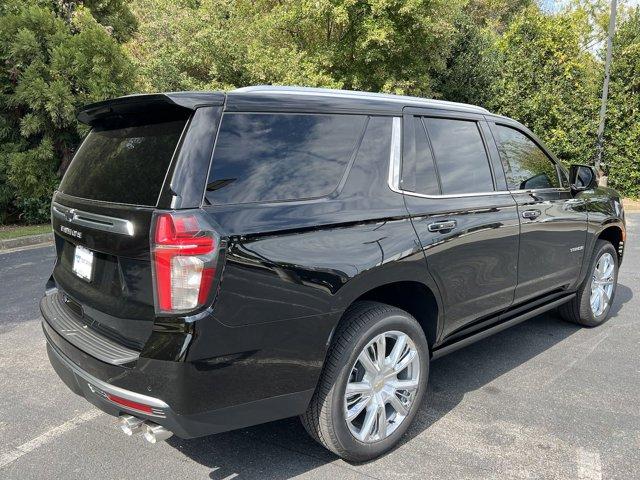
(475,264)
(550,246)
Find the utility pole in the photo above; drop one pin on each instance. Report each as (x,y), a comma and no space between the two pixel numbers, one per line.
(605,86)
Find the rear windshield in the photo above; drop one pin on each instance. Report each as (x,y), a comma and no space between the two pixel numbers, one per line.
(273,157)
(123,165)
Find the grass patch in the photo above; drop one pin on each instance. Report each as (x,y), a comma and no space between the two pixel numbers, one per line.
(7,232)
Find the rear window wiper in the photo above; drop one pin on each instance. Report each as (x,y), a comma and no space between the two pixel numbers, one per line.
(218,184)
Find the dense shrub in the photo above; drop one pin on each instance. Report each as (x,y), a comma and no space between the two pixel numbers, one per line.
(54,57)
(550,82)
(622,133)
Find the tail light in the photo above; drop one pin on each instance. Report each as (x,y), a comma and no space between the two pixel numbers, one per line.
(185,252)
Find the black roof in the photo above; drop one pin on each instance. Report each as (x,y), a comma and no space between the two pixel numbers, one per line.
(269,98)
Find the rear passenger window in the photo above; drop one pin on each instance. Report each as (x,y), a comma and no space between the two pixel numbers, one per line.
(525,164)
(461,159)
(270,157)
(418,169)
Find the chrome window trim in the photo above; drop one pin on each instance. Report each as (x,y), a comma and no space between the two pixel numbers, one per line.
(395,158)
(536,190)
(92,220)
(395,153)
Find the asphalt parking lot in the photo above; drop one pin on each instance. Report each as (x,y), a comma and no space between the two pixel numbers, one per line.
(545,399)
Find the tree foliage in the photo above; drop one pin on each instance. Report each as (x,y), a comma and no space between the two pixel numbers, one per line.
(382,45)
(542,68)
(472,64)
(549,82)
(622,133)
(54,59)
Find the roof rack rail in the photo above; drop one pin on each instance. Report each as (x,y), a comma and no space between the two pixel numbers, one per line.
(292,90)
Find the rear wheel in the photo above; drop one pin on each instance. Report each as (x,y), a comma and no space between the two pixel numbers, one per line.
(594,298)
(373,382)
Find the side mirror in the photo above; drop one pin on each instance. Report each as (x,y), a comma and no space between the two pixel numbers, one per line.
(582,177)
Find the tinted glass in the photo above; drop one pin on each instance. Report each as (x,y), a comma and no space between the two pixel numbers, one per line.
(123,165)
(564,177)
(460,155)
(584,177)
(268,157)
(525,164)
(418,169)
(370,171)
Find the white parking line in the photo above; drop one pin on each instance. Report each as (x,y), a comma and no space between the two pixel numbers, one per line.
(589,466)
(15,453)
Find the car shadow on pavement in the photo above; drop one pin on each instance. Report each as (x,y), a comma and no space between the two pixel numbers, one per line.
(622,296)
(282,449)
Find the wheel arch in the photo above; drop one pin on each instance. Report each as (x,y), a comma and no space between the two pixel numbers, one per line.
(414,298)
(414,294)
(615,234)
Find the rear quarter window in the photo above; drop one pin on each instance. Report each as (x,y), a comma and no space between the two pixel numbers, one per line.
(275,157)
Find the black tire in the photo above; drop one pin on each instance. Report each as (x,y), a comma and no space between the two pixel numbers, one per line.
(325,418)
(579,310)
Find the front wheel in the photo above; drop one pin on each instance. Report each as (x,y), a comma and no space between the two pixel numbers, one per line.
(372,384)
(594,298)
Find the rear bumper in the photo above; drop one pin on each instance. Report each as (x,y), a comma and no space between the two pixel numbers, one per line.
(75,331)
(96,391)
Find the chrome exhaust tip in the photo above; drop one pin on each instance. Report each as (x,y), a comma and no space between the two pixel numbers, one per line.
(130,425)
(154,433)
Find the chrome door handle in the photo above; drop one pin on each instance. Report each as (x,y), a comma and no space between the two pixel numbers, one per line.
(531,214)
(442,226)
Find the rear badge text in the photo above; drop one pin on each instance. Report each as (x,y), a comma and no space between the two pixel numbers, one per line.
(70,231)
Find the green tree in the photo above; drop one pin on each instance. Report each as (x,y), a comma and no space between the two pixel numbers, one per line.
(549,81)
(622,131)
(385,45)
(497,14)
(54,59)
(189,45)
(381,45)
(115,15)
(472,64)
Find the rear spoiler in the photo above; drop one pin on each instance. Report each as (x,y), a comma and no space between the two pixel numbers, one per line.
(148,104)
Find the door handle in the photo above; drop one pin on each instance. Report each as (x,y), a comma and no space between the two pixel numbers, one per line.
(442,226)
(531,214)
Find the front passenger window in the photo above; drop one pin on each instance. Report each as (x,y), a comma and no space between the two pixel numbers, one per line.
(526,166)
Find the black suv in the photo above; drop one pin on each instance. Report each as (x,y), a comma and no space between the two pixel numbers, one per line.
(230,259)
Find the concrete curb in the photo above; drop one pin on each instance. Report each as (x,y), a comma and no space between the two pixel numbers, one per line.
(631,207)
(26,241)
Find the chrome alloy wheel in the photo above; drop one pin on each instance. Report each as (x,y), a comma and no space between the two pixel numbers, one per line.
(382,386)
(602,284)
